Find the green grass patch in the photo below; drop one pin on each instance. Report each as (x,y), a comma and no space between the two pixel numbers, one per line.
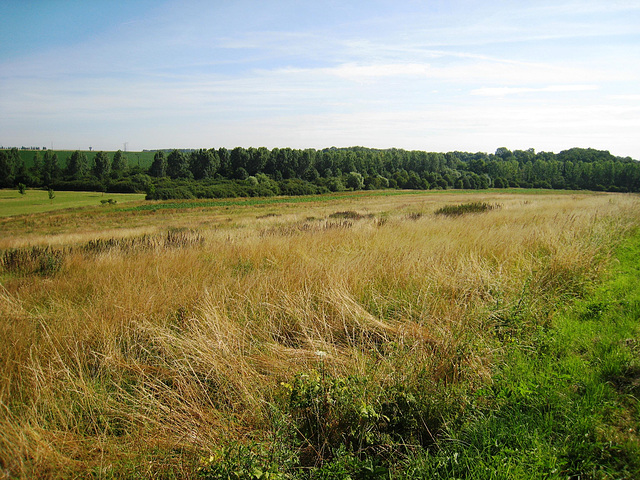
(253,201)
(564,405)
(38,201)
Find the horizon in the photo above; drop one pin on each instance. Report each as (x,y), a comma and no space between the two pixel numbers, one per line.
(193,149)
(434,76)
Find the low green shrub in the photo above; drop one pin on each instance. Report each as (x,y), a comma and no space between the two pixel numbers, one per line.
(464,208)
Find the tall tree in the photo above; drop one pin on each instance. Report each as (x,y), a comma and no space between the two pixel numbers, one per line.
(178,165)
(77,165)
(119,163)
(6,170)
(225,162)
(36,169)
(257,161)
(239,162)
(159,166)
(204,163)
(101,165)
(50,168)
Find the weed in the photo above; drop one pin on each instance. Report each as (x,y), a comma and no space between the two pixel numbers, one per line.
(45,261)
(350,214)
(240,462)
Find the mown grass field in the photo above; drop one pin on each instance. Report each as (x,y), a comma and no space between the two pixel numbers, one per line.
(347,336)
(37,201)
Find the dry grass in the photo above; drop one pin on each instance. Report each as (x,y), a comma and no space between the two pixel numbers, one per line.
(162,352)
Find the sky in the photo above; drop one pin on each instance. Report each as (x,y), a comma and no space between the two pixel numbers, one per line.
(419,75)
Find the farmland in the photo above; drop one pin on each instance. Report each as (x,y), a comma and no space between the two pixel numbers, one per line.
(38,201)
(139,159)
(370,335)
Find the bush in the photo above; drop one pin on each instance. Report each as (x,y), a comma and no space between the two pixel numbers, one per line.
(294,186)
(474,207)
(351,414)
(40,260)
(171,193)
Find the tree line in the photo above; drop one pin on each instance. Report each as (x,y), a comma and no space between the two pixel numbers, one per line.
(210,173)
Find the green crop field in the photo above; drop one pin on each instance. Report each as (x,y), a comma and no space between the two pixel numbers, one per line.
(143,159)
(37,201)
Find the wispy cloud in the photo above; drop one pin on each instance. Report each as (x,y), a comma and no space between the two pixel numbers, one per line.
(503,91)
(432,75)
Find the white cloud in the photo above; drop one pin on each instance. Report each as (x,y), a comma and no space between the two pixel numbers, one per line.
(625,97)
(503,91)
(358,72)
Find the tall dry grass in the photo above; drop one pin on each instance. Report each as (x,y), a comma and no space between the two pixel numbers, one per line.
(150,355)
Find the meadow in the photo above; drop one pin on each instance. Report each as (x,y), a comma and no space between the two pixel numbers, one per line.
(38,201)
(416,335)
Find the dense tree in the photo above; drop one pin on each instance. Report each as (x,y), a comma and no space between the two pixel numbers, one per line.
(225,162)
(119,163)
(50,167)
(257,161)
(204,163)
(294,170)
(354,181)
(159,166)
(178,165)
(101,165)
(6,170)
(77,165)
(239,163)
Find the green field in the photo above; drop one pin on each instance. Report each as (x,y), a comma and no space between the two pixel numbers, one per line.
(37,201)
(142,159)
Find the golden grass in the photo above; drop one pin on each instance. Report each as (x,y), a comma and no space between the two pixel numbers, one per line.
(129,354)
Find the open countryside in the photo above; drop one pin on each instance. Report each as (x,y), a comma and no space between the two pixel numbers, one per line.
(285,240)
(422,335)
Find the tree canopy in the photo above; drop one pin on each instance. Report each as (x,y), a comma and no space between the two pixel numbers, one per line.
(258,171)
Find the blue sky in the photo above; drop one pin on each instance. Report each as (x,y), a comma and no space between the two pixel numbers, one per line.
(428,75)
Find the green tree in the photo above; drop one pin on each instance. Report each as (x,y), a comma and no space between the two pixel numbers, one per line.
(50,168)
(305,162)
(6,170)
(225,162)
(355,181)
(239,162)
(119,163)
(52,194)
(159,166)
(503,152)
(204,163)
(77,165)
(101,165)
(22,188)
(258,158)
(178,165)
